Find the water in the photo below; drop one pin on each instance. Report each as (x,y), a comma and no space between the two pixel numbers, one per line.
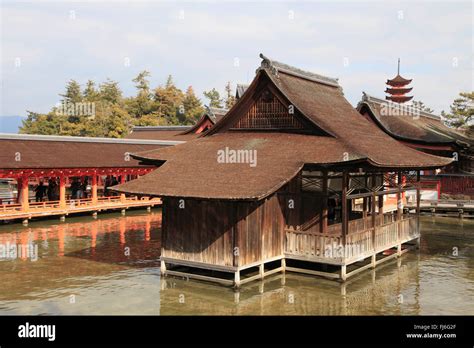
(109,266)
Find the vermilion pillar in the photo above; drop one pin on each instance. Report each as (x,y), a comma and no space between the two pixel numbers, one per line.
(62,191)
(25,196)
(94,189)
(122,181)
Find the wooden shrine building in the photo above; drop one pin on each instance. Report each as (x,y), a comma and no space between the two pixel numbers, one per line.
(426,132)
(291,179)
(62,160)
(179,133)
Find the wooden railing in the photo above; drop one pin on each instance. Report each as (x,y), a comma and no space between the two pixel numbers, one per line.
(359,244)
(359,225)
(71,203)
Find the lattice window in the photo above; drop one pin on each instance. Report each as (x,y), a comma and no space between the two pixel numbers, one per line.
(269,113)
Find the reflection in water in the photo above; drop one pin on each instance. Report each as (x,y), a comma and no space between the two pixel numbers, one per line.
(110,266)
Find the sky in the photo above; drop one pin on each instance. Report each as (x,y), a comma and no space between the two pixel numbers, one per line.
(207,43)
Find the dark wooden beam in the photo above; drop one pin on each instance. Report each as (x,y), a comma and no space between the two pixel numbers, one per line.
(345,218)
(324,210)
(418,193)
(381,202)
(399,195)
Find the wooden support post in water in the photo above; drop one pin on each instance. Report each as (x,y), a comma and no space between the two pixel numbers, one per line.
(261,270)
(373,260)
(162,267)
(283,265)
(237,279)
(345,218)
(343,273)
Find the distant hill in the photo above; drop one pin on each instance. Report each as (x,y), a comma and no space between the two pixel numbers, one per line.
(10,124)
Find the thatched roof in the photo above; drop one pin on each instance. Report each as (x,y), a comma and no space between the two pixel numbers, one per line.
(174,133)
(416,127)
(22,151)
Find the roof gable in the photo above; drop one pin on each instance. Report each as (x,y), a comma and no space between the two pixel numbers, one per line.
(264,107)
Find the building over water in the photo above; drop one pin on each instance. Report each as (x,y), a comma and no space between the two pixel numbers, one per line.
(292,173)
(179,133)
(65,162)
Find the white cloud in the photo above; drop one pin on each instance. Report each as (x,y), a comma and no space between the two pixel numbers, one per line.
(200,48)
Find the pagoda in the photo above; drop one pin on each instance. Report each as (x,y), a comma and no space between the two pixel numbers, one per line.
(397,89)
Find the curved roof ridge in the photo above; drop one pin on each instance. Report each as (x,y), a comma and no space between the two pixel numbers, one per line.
(275,67)
(369,98)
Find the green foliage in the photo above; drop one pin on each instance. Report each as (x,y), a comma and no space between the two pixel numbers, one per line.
(114,115)
(461,115)
(192,106)
(169,100)
(230,98)
(420,105)
(73,92)
(214,97)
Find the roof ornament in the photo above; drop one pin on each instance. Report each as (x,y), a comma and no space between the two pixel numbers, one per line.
(268,64)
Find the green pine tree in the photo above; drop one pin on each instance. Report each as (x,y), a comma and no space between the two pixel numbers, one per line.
(230,98)
(461,114)
(214,97)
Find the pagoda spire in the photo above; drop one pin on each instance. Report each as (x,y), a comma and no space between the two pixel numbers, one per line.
(398,89)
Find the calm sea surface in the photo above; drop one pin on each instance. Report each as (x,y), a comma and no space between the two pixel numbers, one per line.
(109,266)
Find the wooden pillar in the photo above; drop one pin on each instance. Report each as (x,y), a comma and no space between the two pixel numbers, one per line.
(237,279)
(162,267)
(345,217)
(122,195)
(372,215)
(399,196)
(380,205)
(365,200)
(94,189)
(418,193)
(343,273)
(418,206)
(62,191)
(25,195)
(324,210)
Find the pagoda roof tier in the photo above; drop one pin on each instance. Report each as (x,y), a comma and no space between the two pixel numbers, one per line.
(398,91)
(398,81)
(399,99)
